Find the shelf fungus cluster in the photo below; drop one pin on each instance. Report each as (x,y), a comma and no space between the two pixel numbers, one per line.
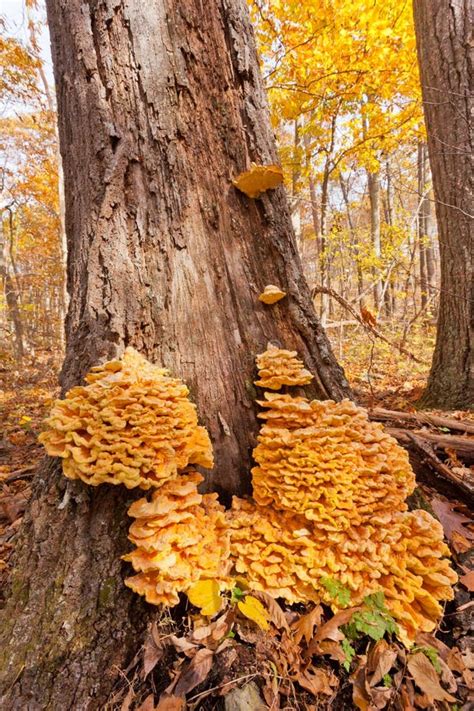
(181,537)
(131,424)
(278,367)
(329,489)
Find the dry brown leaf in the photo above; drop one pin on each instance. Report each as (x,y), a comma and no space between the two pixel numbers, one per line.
(330,630)
(333,649)
(305,625)
(452,519)
(126,703)
(468,580)
(317,681)
(277,616)
(460,543)
(148,704)
(426,678)
(455,660)
(170,703)
(181,644)
(360,696)
(152,653)
(380,660)
(194,674)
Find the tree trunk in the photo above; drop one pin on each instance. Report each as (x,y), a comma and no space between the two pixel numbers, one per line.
(11,294)
(445,53)
(373,184)
(160,105)
(422,222)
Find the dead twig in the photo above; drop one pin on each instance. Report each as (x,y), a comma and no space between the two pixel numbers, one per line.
(371,329)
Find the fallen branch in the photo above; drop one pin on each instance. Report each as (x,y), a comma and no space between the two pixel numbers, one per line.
(463,483)
(461,446)
(367,326)
(422,418)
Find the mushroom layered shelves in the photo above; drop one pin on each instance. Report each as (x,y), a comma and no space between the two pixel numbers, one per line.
(329,490)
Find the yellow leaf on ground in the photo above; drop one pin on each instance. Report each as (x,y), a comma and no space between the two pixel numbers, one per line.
(253,609)
(205,595)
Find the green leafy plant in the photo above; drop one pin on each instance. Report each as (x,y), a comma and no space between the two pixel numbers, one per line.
(387,681)
(350,653)
(373,620)
(337,591)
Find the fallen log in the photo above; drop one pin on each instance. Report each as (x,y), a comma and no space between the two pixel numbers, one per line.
(422,418)
(465,482)
(463,447)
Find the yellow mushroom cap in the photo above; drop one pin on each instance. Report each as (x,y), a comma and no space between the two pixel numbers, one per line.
(131,424)
(181,537)
(258,179)
(277,367)
(271,294)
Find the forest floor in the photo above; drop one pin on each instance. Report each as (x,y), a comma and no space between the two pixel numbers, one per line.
(380,377)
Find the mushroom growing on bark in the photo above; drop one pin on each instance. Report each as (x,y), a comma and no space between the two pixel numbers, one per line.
(131,424)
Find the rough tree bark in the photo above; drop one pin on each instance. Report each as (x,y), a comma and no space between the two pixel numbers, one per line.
(160,104)
(445,53)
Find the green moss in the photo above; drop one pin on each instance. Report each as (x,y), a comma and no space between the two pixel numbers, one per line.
(106,591)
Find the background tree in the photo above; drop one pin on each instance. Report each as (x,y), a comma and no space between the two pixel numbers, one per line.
(444,41)
(159,107)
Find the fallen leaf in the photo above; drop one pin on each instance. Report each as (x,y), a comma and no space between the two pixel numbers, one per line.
(317,681)
(148,704)
(181,644)
(305,625)
(452,519)
(152,653)
(258,179)
(426,678)
(253,609)
(330,648)
(205,595)
(277,616)
(194,674)
(170,703)
(380,660)
(330,630)
(468,580)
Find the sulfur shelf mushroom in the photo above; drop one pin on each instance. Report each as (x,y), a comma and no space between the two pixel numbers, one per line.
(258,179)
(330,489)
(401,555)
(131,424)
(277,367)
(271,294)
(181,537)
(337,468)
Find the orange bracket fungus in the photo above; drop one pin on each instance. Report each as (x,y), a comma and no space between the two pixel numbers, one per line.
(181,537)
(258,179)
(271,294)
(131,424)
(330,489)
(277,367)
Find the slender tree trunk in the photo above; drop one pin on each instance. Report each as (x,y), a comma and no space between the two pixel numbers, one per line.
(353,235)
(11,293)
(160,105)
(445,53)
(423,216)
(373,184)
